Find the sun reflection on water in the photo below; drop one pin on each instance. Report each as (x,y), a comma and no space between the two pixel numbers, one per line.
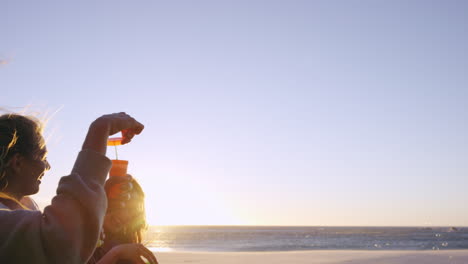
(160,249)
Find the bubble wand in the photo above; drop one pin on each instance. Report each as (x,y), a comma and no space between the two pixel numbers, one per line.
(115,142)
(119,167)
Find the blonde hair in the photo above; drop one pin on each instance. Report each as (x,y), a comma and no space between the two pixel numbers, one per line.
(132,231)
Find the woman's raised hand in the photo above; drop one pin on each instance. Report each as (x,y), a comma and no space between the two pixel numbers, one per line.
(107,125)
(134,252)
(121,122)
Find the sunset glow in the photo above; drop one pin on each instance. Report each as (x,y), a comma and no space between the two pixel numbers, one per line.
(257,112)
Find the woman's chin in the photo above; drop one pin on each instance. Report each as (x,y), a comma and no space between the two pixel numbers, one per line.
(34,189)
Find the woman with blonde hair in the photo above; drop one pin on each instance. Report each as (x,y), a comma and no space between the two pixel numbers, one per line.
(124,224)
(20,141)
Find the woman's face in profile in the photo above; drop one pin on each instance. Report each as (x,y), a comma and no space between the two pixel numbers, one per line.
(32,170)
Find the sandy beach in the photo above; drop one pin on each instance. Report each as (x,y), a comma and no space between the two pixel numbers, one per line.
(316,257)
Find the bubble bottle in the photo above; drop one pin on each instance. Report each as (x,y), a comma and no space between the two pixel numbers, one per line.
(119,167)
(118,171)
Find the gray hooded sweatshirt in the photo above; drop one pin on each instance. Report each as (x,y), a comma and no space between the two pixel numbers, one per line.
(67,230)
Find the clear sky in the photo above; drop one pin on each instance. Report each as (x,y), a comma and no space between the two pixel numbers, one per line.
(257,112)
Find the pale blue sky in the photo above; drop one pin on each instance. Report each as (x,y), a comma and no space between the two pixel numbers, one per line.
(258,112)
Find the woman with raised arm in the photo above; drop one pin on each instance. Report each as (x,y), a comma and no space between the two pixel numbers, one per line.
(68,229)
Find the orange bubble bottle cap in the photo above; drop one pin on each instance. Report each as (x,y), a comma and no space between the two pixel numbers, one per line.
(114,141)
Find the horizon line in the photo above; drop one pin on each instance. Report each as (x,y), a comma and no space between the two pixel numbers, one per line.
(423,226)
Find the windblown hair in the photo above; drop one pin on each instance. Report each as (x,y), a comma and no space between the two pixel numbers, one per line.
(132,230)
(18,134)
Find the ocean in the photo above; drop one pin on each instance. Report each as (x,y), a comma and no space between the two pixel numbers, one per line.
(262,238)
